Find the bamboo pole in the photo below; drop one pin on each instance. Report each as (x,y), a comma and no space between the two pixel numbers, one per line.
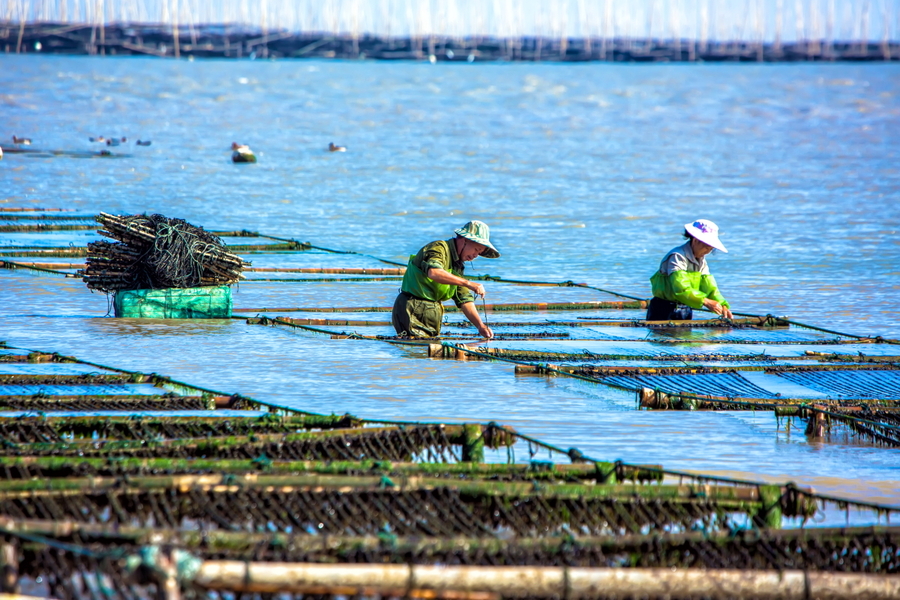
(250,420)
(176,29)
(659,400)
(60,252)
(341,271)
(17,209)
(603,371)
(561,582)
(602,472)
(573,306)
(213,540)
(9,568)
(41,217)
(725,497)
(210,445)
(35,357)
(59,402)
(46,265)
(39,228)
(86,379)
(513,354)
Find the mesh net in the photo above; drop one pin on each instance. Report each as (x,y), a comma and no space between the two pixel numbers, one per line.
(113,403)
(881,384)
(343,510)
(421,443)
(861,550)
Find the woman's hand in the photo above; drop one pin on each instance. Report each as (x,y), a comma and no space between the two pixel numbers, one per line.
(718,308)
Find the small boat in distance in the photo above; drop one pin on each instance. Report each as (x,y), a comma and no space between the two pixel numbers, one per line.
(21,141)
(333,148)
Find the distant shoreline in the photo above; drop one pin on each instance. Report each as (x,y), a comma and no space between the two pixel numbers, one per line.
(230,41)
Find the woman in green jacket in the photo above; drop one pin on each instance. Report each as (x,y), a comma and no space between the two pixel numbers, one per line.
(683,281)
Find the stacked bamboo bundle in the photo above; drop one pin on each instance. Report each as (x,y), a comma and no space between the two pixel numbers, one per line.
(155,252)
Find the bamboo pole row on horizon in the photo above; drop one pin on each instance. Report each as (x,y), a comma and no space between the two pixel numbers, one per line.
(240,42)
(760,21)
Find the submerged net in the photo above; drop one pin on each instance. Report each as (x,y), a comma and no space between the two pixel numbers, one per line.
(422,443)
(410,504)
(111,403)
(826,549)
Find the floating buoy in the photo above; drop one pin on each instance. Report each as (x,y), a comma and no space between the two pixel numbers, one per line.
(143,143)
(97,139)
(115,141)
(1,153)
(241,153)
(333,148)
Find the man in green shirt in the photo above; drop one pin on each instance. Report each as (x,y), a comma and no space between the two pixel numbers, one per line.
(435,274)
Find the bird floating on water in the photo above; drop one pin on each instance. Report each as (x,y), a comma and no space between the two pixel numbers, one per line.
(115,141)
(143,143)
(241,153)
(333,148)
(21,141)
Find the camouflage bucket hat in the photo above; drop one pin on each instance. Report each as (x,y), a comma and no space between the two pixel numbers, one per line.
(479,232)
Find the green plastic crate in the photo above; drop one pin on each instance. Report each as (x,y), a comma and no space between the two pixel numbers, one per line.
(212,302)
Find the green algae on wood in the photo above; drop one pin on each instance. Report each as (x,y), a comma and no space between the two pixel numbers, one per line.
(66,466)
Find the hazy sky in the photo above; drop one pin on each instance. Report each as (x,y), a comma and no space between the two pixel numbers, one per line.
(697,19)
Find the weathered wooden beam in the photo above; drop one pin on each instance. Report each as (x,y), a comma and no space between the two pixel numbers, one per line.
(545,582)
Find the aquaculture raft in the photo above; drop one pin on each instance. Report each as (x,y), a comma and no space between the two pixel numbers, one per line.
(251,498)
(105,502)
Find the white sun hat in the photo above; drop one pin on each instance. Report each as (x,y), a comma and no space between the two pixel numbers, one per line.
(707,232)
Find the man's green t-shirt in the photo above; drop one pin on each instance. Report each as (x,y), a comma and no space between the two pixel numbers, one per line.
(439,255)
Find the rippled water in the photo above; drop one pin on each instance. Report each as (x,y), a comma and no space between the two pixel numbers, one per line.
(584,172)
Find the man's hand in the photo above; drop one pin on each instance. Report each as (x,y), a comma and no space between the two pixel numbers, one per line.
(471,313)
(476,288)
(718,308)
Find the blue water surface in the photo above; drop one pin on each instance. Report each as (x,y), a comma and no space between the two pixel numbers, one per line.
(585,172)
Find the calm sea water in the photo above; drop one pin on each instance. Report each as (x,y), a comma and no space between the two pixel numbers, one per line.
(584,172)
